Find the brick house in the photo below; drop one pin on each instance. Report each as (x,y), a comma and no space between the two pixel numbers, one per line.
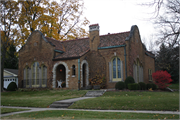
(43,61)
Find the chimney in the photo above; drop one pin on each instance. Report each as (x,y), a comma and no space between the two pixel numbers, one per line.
(94,36)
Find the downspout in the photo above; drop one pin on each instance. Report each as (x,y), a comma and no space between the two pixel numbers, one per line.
(78,74)
(125,60)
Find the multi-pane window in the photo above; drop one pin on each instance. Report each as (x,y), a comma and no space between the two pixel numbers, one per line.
(116,69)
(150,74)
(138,72)
(36,76)
(44,75)
(35,73)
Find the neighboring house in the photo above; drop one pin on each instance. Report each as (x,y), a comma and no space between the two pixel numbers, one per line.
(10,75)
(43,61)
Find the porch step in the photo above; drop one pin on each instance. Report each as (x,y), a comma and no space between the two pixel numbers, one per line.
(95,93)
(58,104)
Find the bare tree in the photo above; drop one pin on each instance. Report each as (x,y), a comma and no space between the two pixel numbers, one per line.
(169,24)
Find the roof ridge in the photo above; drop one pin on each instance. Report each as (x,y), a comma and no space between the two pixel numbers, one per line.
(52,39)
(75,39)
(114,33)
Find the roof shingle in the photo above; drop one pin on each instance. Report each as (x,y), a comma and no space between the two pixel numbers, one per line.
(78,47)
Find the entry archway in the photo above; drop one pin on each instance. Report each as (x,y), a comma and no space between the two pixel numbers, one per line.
(84,73)
(54,84)
(60,74)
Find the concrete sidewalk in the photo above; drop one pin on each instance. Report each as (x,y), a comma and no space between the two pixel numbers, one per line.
(74,99)
(126,111)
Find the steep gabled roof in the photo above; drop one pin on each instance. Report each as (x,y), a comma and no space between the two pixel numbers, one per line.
(74,48)
(58,44)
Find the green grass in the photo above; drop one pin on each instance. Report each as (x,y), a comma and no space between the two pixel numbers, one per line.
(174,86)
(9,110)
(132,101)
(66,114)
(37,98)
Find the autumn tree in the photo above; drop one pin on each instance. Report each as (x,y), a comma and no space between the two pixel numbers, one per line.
(9,15)
(61,21)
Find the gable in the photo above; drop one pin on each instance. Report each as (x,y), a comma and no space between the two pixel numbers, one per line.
(35,40)
(10,72)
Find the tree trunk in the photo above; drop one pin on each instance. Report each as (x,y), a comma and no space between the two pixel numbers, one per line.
(3,53)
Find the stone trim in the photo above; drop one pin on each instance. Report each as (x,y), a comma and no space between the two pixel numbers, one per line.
(87,73)
(54,74)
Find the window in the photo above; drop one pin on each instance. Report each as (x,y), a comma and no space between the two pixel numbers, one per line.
(116,64)
(73,70)
(35,73)
(44,75)
(36,76)
(138,72)
(150,74)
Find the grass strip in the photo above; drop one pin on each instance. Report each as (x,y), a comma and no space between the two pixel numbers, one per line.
(67,114)
(9,110)
(174,86)
(131,101)
(37,98)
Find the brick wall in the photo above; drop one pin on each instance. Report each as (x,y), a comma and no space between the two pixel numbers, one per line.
(136,51)
(36,49)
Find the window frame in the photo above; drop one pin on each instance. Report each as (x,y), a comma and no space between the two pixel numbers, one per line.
(35,75)
(150,74)
(117,70)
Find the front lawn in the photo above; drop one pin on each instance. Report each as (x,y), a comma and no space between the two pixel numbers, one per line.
(118,100)
(68,114)
(9,110)
(132,101)
(174,86)
(37,98)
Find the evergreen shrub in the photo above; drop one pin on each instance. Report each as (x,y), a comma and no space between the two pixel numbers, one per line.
(154,86)
(12,87)
(133,86)
(120,85)
(148,86)
(129,80)
(142,86)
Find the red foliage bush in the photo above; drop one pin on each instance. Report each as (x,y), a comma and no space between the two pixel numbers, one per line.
(162,79)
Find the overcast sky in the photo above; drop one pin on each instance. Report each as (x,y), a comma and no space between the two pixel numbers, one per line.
(114,16)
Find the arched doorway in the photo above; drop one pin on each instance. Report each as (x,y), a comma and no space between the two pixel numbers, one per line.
(84,75)
(60,74)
